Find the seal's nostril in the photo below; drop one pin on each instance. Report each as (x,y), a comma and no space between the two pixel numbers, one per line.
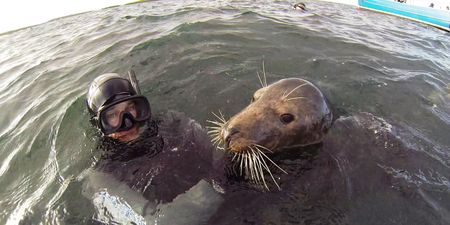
(231,131)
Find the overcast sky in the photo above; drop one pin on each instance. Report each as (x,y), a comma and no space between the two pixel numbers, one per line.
(16,14)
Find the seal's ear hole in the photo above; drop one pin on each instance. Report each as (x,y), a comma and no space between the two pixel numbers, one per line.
(287,118)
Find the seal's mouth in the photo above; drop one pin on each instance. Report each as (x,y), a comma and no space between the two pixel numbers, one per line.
(250,157)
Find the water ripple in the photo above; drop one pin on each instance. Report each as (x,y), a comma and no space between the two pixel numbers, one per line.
(183,51)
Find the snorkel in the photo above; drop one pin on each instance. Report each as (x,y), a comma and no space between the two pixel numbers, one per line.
(134,81)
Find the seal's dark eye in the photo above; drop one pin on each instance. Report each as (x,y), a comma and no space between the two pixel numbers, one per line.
(287,118)
(253,99)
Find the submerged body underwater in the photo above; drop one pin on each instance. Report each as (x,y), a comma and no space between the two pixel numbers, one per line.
(385,159)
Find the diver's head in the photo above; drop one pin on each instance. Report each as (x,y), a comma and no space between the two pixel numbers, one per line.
(116,107)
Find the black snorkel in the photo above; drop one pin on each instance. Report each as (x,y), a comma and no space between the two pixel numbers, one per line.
(134,81)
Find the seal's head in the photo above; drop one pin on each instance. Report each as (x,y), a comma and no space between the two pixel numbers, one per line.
(289,113)
(116,107)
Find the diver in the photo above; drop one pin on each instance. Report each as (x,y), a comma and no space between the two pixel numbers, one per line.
(300,6)
(159,159)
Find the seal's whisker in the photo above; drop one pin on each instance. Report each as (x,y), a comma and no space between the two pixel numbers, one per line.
(217,146)
(242,164)
(215,122)
(264,74)
(265,148)
(246,164)
(260,81)
(215,130)
(239,158)
(266,167)
(214,135)
(234,157)
(260,169)
(244,172)
(289,99)
(215,125)
(250,166)
(262,153)
(257,166)
(299,86)
(216,140)
(221,117)
(217,116)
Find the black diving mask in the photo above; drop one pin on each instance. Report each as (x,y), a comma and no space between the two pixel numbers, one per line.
(123,114)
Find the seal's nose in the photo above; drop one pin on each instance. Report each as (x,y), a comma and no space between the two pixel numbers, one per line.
(229,134)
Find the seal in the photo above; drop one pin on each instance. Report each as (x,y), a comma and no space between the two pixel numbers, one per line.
(289,113)
(361,154)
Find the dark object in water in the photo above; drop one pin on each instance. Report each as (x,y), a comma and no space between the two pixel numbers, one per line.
(300,6)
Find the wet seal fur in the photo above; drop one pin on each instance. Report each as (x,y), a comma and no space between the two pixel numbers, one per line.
(289,113)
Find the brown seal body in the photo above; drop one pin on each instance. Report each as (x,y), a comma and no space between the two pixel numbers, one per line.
(288,113)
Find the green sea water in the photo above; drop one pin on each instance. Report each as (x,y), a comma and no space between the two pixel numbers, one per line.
(199,57)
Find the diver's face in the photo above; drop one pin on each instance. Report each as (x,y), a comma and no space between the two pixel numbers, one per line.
(113,117)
